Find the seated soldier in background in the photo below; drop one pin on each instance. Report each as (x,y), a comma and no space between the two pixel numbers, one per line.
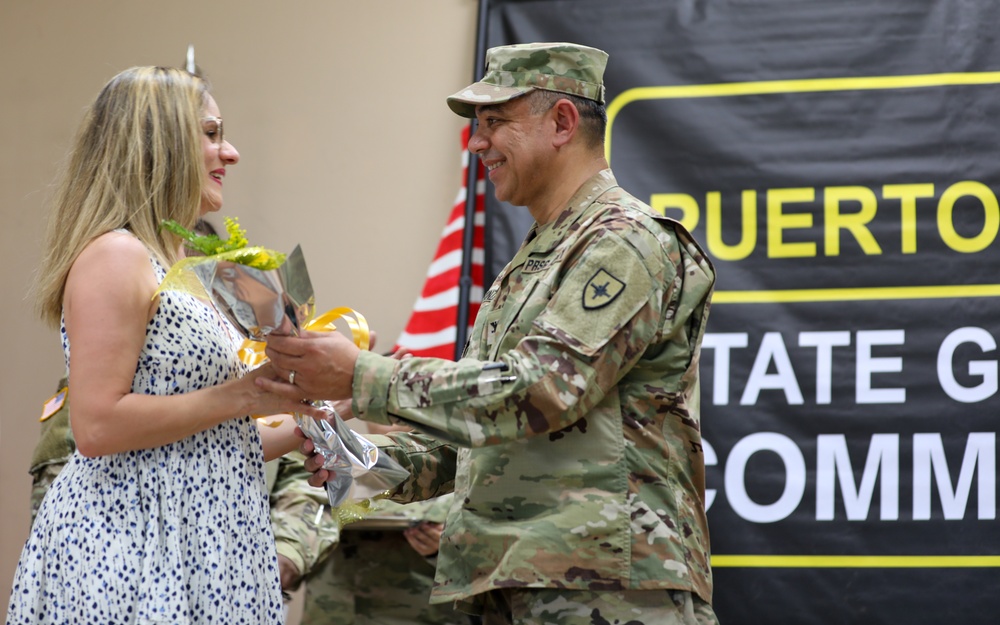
(54,448)
(379,570)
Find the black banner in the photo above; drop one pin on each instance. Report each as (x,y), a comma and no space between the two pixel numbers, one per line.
(839,162)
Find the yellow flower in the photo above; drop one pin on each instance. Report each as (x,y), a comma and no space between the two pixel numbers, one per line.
(235,247)
(237,235)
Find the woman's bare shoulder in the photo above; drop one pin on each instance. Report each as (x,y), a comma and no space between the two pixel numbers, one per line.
(116,243)
(116,256)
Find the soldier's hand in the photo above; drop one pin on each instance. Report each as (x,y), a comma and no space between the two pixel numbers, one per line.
(425,537)
(290,574)
(314,464)
(316,365)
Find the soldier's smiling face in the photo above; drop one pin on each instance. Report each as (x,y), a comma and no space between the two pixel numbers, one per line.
(512,143)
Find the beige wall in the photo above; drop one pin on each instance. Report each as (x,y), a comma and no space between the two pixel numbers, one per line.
(336,106)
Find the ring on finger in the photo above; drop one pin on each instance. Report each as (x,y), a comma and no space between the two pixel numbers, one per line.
(291,378)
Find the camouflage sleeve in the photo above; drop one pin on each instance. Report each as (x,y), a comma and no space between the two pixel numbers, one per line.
(430,462)
(304,530)
(566,356)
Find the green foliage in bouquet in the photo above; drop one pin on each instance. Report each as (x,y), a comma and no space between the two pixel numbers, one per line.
(235,247)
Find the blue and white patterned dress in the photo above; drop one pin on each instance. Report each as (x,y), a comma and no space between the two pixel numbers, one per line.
(174,534)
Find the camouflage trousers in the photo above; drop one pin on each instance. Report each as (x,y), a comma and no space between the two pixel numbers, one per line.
(551,606)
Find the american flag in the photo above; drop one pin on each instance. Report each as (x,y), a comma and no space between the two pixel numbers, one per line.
(431,330)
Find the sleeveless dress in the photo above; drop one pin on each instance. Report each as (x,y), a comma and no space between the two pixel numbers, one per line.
(173,534)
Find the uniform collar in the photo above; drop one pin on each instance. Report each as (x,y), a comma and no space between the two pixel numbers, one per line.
(551,234)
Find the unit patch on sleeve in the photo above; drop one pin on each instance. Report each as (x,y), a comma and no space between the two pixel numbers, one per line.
(601,290)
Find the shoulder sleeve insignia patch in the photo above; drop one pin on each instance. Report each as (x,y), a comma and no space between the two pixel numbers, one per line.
(601,290)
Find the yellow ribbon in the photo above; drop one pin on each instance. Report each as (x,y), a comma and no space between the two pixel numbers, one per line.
(252,352)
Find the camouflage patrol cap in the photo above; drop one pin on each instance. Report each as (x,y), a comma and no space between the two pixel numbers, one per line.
(515,70)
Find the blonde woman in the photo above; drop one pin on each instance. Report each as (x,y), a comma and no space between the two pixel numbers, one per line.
(161,514)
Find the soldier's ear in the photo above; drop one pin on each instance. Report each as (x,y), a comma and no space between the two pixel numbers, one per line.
(566,119)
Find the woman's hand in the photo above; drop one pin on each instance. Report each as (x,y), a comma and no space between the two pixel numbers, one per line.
(260,401)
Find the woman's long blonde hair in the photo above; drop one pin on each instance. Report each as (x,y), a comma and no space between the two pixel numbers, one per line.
(136,161)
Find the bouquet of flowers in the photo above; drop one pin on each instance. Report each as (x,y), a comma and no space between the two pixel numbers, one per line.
(261,291)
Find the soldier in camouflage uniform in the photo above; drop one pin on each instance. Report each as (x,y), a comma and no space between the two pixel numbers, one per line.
(570,430)
(375,577)
(302,530)
(366,573)
(54,448)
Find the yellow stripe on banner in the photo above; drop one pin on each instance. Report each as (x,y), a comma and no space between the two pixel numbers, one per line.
(856,295)
(806,85)
(854,562)
(815,85)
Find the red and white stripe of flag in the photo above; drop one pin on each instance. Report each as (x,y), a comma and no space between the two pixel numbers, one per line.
(431,330)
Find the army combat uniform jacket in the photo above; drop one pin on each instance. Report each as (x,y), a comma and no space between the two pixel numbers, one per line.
(571,425)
